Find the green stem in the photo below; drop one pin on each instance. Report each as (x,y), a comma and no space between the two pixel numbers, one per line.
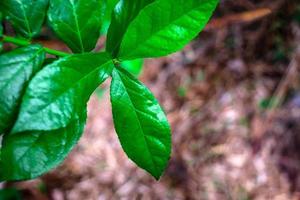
(16,41)
(23,42)
(56,52)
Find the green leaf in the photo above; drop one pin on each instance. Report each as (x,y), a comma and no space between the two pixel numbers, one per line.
(107,17)
(77,22)
(30,154)
(163,27)
(16,69)
(142,126)
(133,66)
(124,12)
(59,92)
(26,16)
(269,103)
(10,194)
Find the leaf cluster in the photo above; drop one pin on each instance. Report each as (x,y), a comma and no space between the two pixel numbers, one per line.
(43,101)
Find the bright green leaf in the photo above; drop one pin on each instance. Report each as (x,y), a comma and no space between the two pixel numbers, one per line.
(30,154)
(77,22)
(142,126)
(165,27)
(124,12)
(133,66)
(26,16)
(16,69)
(59,92)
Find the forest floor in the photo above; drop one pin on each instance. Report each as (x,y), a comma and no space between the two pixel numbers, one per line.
(232,98)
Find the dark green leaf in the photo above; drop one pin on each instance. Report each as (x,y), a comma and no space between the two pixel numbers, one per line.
(10,194)
(77,22)
(27,16)
(30,154)
(141,124)
(163,27)
(269,103)
(60,91)
(124,12)
(16,69)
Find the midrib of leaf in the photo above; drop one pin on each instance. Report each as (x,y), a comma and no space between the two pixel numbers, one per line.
(35,141)
(25,18)
(140,126)
(59,95)
(28,148)
(15,16)
(30,59)
(163,27)
(128,19)
(77,25)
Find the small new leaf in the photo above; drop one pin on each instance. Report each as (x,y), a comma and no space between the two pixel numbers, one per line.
(60,92)
(135,67)
(165,27)
(140,123)
(77,22)
(16,69)
(26,16)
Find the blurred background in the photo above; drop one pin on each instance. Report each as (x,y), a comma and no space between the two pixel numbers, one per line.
(232,97)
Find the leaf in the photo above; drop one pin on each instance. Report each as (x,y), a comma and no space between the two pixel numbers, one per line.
(60,91)
(30,154)
(26,16)
(16,69)
(133,66)
(124,12)
(107,17)
(142,126)
(77,22)
(10,194)
(163,27)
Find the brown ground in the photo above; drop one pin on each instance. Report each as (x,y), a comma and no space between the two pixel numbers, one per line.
(231,140)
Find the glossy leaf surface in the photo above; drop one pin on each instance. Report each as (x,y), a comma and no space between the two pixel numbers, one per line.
(110,5)
(30,154)
(163,27)
(59,92)
(142,127)
(26,16)
(77,22)
(16,69)
(124,12)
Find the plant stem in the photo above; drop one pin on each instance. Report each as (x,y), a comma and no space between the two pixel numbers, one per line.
(23,42)
(56,52)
